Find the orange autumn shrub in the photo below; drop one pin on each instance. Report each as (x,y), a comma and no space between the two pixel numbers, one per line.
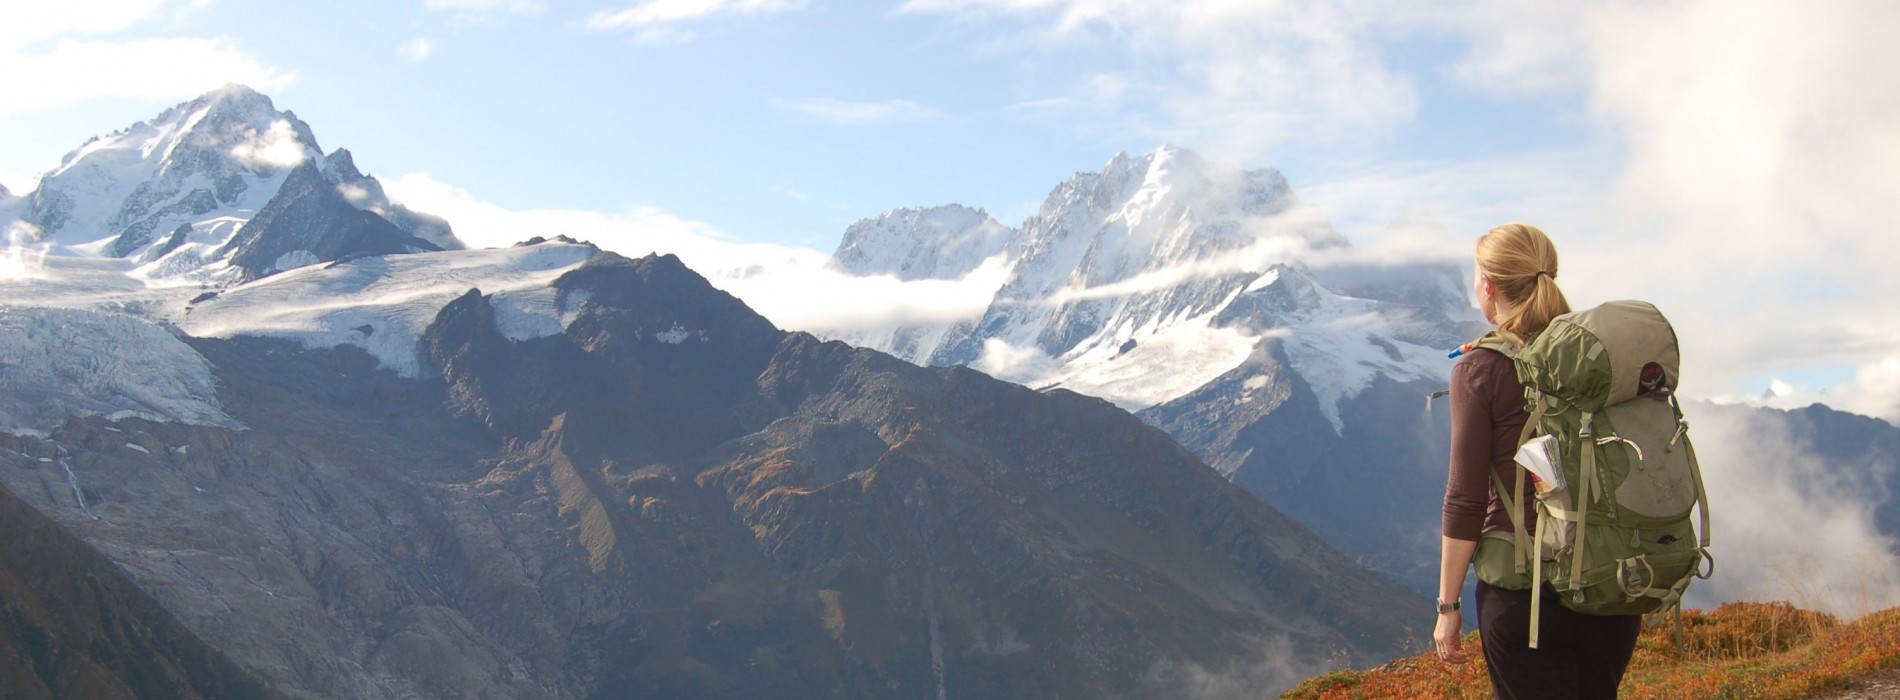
(1739,651)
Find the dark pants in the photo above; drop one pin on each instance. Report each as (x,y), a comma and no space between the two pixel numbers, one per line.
(1578,656)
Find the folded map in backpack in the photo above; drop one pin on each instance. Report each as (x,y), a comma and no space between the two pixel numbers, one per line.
(1539,457)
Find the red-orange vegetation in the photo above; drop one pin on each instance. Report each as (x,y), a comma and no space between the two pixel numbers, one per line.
(1739,651)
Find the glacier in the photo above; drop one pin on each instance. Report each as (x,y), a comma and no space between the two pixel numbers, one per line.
(59,363)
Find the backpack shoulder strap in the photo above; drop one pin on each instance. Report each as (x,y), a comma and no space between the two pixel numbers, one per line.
(1505,342)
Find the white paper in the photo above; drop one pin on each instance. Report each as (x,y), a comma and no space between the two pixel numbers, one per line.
(1539,455)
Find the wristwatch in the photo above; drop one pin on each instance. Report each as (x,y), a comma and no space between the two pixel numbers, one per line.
(1444,607)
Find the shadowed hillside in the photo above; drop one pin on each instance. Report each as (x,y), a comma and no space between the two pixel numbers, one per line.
(72,626)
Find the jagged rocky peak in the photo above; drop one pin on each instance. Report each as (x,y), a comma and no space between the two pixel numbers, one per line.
(340,166)
(366,193)
(1138,214)
(945,242)
(559,238)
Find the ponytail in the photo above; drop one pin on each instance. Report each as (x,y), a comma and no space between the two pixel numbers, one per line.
(1522,262)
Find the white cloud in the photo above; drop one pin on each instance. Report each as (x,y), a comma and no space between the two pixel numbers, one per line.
(662,12)
(277,147)
(1233,77)
(790,192)
(1875,390)
(1820,550)
(1096,94)
(22,23)
(150,68)
(47,64)
(480,8)
(416,50)
(848,113)
(790,286)
(20,257)
(1009,362)
(1763,144)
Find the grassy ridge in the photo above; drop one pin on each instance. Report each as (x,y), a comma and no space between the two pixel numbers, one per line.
(1739,651)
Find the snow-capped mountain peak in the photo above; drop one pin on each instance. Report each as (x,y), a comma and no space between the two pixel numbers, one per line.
(1152,276)
(117,187)
(944,242)
(1144,242)
(173,194)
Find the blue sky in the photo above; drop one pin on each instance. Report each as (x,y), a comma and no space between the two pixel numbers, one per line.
(784,122)
(1732,161)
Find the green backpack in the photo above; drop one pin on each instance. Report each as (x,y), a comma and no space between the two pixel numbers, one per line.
(1613,533)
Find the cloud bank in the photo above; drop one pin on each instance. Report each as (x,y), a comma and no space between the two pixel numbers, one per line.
(50,62)
(658,13)
(848,113)
(790,286)
(1788,526)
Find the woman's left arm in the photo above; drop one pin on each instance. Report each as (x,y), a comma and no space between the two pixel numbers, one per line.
(1453,562)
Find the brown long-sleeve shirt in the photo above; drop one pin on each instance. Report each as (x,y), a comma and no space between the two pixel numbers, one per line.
(1487,413)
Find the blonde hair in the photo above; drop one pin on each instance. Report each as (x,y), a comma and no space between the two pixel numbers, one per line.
(1522,263)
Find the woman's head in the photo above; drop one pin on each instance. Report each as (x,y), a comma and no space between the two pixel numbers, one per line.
(1517,279)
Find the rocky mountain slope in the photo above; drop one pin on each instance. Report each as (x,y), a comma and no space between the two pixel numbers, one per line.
(73,626)
(666,496)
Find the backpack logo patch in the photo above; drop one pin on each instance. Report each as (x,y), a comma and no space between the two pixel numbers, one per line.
(1650,380)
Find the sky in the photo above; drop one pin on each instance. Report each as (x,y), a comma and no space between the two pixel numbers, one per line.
(1733,161)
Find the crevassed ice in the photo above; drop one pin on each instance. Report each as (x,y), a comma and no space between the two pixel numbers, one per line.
(58,363)
(536,313)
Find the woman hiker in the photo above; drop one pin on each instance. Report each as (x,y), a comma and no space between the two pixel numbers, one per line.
(1579,656)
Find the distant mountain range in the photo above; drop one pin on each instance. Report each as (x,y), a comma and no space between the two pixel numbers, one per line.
(360,462)
(1209,301)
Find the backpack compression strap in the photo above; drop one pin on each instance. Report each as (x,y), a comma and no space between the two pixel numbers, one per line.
(1514,498)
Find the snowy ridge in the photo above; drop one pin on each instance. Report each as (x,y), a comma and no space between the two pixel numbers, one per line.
(1340,343)
(1159,273)
(382,304)
(1146,242)
(58,363)
(943,243)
